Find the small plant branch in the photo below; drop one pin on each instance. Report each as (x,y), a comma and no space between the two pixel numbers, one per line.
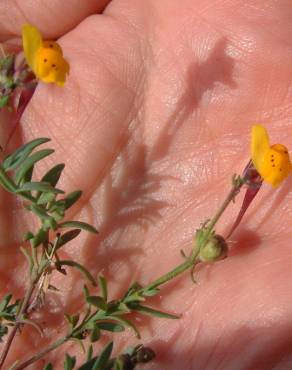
(41,354)
(24,307)
(172,274)
(191,261)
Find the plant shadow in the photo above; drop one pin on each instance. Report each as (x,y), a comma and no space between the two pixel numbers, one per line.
(200,78)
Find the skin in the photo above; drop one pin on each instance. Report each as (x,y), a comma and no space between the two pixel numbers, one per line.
(153,121)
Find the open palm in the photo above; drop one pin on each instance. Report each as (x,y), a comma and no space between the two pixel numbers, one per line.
(152,123)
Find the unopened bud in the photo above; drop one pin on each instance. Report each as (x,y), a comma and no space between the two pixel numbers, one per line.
(214,250)
(144,354)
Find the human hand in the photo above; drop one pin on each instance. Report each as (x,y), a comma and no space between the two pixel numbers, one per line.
(153,121)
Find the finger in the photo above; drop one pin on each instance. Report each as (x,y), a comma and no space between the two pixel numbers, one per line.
(53,18)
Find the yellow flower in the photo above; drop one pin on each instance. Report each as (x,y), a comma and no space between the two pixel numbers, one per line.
(45,58)
(272,162)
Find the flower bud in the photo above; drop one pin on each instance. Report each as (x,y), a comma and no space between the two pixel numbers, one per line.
(144,354)
(215,249)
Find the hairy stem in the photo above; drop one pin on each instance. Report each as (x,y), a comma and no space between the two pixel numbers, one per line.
(192,259)
(41,354)
(12,333)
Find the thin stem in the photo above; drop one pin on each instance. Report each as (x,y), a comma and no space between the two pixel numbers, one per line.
(22,310)
(230,198)
(53,346)
(38,356)
(192,259)
(171,274)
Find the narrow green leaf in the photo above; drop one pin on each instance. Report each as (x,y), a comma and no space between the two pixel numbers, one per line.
(58,215)
(117,308)
(69,319)
(38,186)
(69,362)
(151,292)
(89,363)
(7,316)
(85,291)
(72,198)
(28,235)
(79,225)
(29,162)
(12,161)
(28,176)
(102,360)
(3,331)
(67,237)
(53,288)
(118,365)
(54,174)
(5,301)
(103,286)
(134,297)
(97,301)
(6,182)
(110,326)
(50,223)
(122,307)
(39,211)
(125,323)
(4,100)
(13,308)
(75,319)
(72,319)
(95,334)
(47,220)
(81,268)
(49,366)
(134,288)
(45,198)
(40,237)
(89,353)
(152,312)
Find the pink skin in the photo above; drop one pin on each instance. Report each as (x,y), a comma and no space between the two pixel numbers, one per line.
(153,121)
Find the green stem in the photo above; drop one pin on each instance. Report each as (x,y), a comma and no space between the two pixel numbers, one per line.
(171,274)
(13,332)
(192,259)
(41,354)
(230,198)
(36,275)
(53,346)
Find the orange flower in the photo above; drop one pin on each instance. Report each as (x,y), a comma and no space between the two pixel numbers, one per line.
(45,58)
(272,162)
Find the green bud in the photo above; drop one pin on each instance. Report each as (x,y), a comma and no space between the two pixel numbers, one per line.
(215,249)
